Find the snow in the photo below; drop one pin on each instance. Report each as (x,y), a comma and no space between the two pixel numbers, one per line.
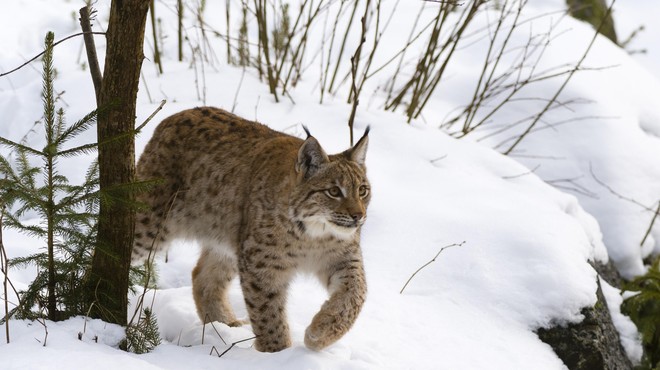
(526,245)
(627,330)
(597,144)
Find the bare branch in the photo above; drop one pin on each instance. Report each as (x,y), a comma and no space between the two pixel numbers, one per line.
(648,231)
(4,267)
(151,116)
(86,13)
(572,185)
(355,60)
(233,344)
(522,174)
(615,193)
(563,85)
(429,262)
(42,53)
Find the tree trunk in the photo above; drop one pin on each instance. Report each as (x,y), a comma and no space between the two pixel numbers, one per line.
(108,282)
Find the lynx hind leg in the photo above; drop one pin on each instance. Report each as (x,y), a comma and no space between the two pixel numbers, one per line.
(210,279)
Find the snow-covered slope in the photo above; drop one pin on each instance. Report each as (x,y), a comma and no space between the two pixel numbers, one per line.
(523,262)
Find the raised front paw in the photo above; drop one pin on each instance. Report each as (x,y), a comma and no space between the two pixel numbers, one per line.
(324,330)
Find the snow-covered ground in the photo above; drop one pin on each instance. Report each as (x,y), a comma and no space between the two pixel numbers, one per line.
(526,245)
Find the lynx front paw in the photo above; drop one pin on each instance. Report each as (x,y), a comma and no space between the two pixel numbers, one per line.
(272,344)
(323,331)
(313,340)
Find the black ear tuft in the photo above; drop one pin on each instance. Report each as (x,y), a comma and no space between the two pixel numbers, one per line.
(310,157)
(306,130)
(366,131)
(358,153)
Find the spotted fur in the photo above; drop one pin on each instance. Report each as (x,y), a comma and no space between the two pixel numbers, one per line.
(263,205)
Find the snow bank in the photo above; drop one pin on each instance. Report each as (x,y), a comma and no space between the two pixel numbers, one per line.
(600,141)
(523,264)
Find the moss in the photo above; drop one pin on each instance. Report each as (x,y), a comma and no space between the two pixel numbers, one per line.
(594,12)
(644,310)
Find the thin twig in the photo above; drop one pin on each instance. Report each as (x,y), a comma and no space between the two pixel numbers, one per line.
(4,265)
(217,332)
(80,335)
(232,346)
(160,106)
(42,53)
(42,321)
(522,174)
(434,160)
(615,193)
(207,320)
(571,184)
(152,12)
(146,87)
(563,85)
(429,262)
(238,89)
(179,16)
(648,231)
(451,2)
(355,60)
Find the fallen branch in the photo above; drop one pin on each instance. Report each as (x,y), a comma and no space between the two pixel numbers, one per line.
(230,347)
(429,262)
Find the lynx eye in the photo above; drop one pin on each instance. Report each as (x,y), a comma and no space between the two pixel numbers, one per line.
(334,192)
(363,191)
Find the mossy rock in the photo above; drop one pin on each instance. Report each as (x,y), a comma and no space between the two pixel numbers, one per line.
(594,12)
(592,344)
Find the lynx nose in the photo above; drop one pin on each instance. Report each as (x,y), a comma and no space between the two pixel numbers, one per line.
(357,216)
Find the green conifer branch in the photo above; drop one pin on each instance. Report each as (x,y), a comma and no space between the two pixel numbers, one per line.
(19,147)
(80,126)
(82,149)
(69,211)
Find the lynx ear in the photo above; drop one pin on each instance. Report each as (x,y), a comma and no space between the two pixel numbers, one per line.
(310,157)
(358,153)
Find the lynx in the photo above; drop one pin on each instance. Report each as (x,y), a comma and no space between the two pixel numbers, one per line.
(263,205)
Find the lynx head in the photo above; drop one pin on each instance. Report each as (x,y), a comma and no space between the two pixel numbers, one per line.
(333,192)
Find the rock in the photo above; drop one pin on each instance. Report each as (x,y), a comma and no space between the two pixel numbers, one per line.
(594,12)
(592,344)
(608,272)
